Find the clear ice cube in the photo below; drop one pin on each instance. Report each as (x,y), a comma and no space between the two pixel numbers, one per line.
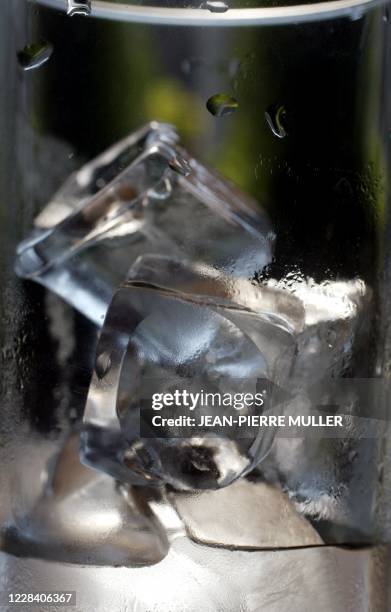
(190,336)
(336,316)
(325,476)
(250,514)
(85,517)
(145,194)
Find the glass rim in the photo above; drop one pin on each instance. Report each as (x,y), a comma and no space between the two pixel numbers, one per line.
(284,14)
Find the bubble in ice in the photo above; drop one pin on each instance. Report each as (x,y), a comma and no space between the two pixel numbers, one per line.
(215,6)
(180,165)
(78,7)
(162,191)
(276,119)
(102,365)
(34,55)
(222,104)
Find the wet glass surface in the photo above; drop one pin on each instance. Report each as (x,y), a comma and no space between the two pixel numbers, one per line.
(324,186)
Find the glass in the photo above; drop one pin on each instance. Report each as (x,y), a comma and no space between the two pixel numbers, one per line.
(290,104)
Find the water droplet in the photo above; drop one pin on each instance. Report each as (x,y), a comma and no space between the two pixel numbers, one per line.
(215,6)
(222,104)
(34,55)
(276,120)
(102,365)
(79,7)
(343,187)
(180,165)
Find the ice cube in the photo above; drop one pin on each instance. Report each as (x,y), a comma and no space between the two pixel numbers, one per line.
(146,194)
(249,514)
(336,317)
(85,517)
(325,476)
(191,336)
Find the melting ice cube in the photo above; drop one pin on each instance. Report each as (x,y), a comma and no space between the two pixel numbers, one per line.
(336,316)
(249,514)
(171,327)
(144,195)
(85,517)
(325,476)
